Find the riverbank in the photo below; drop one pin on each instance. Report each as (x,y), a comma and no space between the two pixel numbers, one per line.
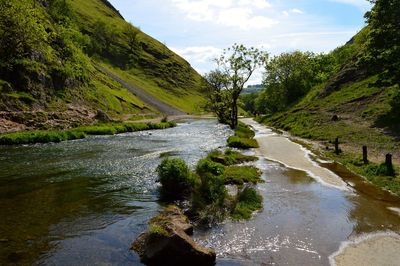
(295,156)
(44,136)
(351,158)
(369,250)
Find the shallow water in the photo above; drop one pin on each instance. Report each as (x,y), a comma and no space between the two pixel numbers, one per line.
(84,202)
(303,221)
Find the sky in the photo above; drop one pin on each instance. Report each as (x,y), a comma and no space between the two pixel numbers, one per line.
(199,30)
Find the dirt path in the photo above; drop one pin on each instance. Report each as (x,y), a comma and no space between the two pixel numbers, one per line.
(144,96)
(279,148)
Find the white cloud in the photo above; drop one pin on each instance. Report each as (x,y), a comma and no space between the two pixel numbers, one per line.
(296,11)
(358,3)
(198,54)
(231,13)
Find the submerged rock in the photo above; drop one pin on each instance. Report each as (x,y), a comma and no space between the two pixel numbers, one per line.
(167,242)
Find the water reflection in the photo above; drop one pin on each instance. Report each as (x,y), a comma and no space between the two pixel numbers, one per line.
(83,202)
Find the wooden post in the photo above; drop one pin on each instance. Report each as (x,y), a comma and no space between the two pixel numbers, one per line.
(388,160)
(337,145)
(365,154)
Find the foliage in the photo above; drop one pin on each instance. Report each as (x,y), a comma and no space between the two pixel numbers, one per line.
(287,78)
(242,143)
(235,67)
(239,175)
(247,201)
(230,157)
(206,166)
(243,138)
(384,38)
(175,177)
(42,136)
(22,36)
(28,137)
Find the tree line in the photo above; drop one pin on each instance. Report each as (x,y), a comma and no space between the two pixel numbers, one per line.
(290,76)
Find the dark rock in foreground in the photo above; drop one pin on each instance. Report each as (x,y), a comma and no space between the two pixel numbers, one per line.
(167,242)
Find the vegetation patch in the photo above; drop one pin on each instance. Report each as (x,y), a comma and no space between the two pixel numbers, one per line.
(205,188)
(175,177)
(42,136)
(29,137)
(239,175)
(230,157)
(243,138)
(247,201)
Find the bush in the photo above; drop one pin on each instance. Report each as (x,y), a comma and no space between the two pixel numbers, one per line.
(206,166)
(175,177)
(239,175)
(247,201)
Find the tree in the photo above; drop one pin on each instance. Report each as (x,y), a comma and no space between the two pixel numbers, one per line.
(22,34)
(234,68)
(287,78)
(384,38)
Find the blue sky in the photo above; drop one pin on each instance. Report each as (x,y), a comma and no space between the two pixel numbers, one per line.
(199,30)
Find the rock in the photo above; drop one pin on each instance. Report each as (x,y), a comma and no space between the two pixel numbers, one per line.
(167,242)
(102,116)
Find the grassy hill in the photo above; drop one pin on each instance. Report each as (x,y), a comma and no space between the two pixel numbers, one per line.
(50,55)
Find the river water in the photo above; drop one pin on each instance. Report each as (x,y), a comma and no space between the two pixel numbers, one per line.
(83,203)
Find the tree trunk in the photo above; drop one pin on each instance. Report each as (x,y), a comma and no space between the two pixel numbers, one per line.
(234,114)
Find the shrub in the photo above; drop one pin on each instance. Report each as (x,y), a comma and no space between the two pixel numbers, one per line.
(247,201)
(175,177)
(206,166)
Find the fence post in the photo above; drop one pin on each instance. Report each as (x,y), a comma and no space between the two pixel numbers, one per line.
(388,160)
(337,145)
(365,154)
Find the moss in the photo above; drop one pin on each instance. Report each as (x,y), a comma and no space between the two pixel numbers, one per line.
(156,230)
(239,175)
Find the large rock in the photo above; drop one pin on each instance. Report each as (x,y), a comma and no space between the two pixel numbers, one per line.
(167,242)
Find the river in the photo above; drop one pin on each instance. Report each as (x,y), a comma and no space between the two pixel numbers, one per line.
(83,203)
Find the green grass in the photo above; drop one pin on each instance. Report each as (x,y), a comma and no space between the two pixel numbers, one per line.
(42,136)
(377,173)
(239,175)
(242,143)
(247,202)
(230,157)
(29,137)
(359,106)
(243,138)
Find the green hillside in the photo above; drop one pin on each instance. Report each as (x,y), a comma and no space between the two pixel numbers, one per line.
(51,51)
(352,94)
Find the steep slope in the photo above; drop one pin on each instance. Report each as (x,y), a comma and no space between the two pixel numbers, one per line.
(50,55)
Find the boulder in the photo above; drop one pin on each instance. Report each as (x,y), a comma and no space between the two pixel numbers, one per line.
(102,116)
(167,242)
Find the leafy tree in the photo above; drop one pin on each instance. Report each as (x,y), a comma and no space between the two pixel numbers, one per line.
(384,38)
(235,67)
(287,78)
(22,35)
